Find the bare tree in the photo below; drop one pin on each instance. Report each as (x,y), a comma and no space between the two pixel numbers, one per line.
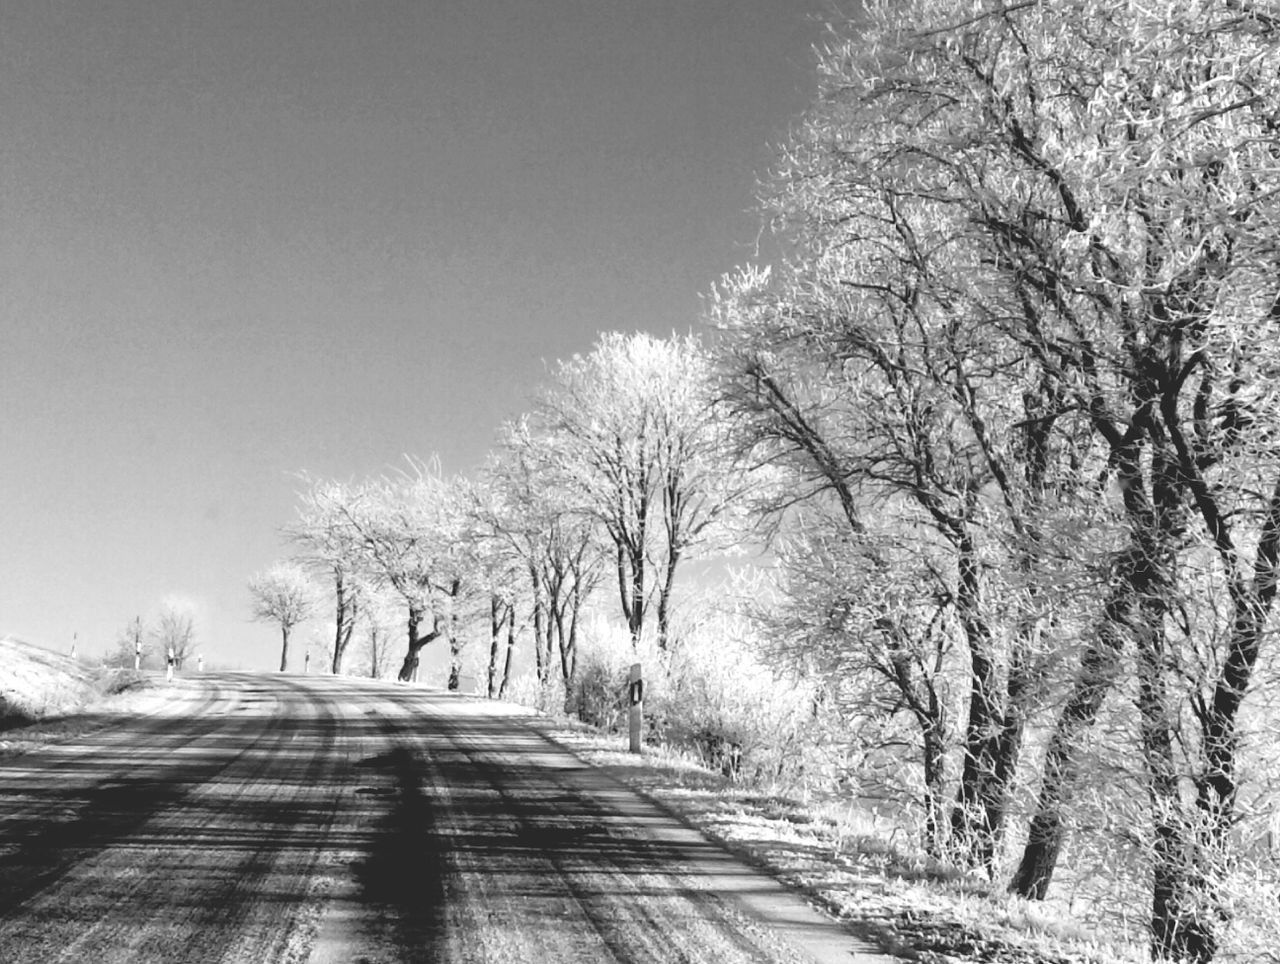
(378,615)
(284,595)
(530,524)
(1088,195)
(132,645)
(329,542)
(410,532)
(639,446)
(873,619)
(174,630)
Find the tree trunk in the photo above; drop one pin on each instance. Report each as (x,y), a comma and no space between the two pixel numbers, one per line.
(631,566)
(511,648)
(539,627)
(977,814)
(1216,796)
(455,661)
(455,647)
(344,619)
(284,647)
(576,603)
(935,754)
(664,599)
(495,635)
(636,622)
(631,573)
(1187,912)
(416,641)
(562,650)
(1098,670)
(1178,931)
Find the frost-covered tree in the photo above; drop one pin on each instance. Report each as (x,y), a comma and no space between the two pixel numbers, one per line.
(329,542)
(553,553)
(174,630)
(132,645)
(411,529)
(1049,230)
(639,444)
(285,595)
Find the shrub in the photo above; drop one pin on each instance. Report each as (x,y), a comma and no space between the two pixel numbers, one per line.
(709,694)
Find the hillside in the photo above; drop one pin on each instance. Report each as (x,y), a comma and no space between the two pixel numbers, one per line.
(36,683)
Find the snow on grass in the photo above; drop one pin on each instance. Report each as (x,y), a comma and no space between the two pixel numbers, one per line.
(47,696)
(36,683)
(855,864)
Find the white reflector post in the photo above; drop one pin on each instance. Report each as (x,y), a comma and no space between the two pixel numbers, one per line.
(635,696)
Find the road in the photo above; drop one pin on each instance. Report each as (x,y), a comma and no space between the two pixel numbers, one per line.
(300,819)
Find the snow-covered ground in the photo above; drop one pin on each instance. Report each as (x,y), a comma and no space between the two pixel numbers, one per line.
(852,868)
(36,683)
(47,697)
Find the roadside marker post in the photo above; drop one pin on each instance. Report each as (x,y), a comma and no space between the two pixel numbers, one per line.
(635,696)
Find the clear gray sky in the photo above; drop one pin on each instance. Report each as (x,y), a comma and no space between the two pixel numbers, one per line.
(244,238)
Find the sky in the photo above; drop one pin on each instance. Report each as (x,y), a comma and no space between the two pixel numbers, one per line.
(244,240)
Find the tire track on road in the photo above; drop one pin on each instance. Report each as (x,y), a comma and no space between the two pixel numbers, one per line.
(531,841)
(151,897)
(78,798)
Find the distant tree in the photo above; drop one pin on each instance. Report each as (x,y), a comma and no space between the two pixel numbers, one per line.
(500,567)
(330,543)
(527,516)
(285,595)
(410,529)
(132,645)
(175,631)
(379,619)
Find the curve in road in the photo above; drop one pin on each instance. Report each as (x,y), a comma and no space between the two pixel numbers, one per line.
(332,821)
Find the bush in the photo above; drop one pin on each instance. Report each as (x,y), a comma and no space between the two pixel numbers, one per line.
(546,697)
(111,680)
(711,695)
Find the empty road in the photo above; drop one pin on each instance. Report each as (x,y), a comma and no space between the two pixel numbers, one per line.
(302,819)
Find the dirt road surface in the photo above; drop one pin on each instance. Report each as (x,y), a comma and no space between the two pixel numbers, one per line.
(292,819)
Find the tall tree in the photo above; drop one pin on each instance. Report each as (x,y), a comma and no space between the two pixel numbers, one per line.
(857,371)
(639,445)
(1104,178)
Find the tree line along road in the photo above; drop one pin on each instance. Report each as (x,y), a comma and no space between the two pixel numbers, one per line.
(292,819)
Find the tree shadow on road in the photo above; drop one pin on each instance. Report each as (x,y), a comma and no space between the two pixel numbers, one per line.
(405,868)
